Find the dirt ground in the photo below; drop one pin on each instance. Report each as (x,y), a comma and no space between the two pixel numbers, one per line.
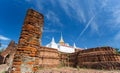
(3,67)
(74,70)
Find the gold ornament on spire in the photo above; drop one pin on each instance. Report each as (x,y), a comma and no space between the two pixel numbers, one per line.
(61,42)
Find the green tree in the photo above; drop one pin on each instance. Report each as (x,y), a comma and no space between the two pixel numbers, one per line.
(1,50)
(0,44)
(117,50)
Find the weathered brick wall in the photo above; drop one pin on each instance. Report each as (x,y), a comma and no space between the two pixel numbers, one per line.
(72,59)
(1,59)
(64,57)
(101,57)
(67,59)
(48,57)
(8,54)
(29,42)
(98,58)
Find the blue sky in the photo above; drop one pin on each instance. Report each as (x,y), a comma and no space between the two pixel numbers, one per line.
(88,23)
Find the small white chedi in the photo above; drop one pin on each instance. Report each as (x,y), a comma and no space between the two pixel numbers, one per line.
(62,46)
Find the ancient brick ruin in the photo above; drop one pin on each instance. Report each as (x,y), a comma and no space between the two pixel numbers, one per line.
(48,57)
(25,58)
(30,55)
(8,54)
(97,58)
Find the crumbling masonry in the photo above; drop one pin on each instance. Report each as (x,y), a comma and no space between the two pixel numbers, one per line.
(30,55)
(25,58)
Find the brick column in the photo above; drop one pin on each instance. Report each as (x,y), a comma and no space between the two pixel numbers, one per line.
(29,41)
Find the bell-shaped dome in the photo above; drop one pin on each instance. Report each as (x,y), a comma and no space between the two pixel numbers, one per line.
(52,44)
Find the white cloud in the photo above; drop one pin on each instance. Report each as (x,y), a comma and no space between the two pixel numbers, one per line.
(73,6)
(51,16)
(116,16)
(39,5)
(76,6)
(115,40)
(81,15)
(65,6)
(112,8)
(94,27)
(52,30)
(3,46)
(47,30)
(104,3)
(117,37)
(47,37)
(4,38)
(87,25)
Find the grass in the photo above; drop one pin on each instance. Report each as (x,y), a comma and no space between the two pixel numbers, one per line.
(3,72)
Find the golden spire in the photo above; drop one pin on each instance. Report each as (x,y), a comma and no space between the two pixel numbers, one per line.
(61,42)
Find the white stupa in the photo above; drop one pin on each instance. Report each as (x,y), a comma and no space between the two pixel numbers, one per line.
(52,44)
(61,46)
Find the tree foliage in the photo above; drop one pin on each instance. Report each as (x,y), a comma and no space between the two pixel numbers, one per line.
(117,51)
(1,50)
(0,44)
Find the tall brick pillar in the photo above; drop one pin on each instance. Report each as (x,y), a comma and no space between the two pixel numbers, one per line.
(29,41)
